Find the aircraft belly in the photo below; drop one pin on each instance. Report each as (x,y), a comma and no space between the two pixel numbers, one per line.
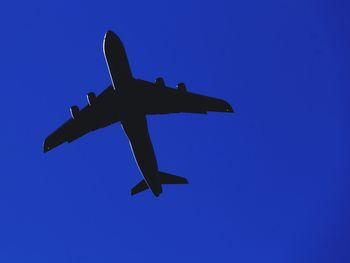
(137,131)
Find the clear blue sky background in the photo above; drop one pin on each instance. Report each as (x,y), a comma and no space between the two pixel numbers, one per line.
(267,184)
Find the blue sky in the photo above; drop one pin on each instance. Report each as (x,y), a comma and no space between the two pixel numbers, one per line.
(269,183)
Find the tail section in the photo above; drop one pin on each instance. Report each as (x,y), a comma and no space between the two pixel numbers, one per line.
(164,178)
(140,187)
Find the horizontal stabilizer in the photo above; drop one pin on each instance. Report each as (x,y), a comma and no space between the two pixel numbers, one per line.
(166,178)
(141,186)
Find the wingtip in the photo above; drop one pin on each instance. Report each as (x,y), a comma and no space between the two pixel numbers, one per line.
(46,148)
(229,108)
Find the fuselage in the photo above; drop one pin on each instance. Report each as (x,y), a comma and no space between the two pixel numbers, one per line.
(134,124)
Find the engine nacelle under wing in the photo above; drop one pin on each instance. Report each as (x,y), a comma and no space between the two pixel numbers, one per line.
(74,112)
(181,87)
(91,97)
(159,83)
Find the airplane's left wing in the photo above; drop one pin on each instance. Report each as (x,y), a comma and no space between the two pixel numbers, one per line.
(164,100)
(97,114)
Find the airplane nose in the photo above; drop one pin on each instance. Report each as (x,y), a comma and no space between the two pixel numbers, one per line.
(109,34)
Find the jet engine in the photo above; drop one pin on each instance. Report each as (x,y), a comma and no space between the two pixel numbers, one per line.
(159,83)
(74,112)
(91,97)
(181,87)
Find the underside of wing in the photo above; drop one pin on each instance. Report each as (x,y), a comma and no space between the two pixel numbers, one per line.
(97,114)
(167,100)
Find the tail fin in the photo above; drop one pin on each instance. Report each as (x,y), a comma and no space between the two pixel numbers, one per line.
(164,178)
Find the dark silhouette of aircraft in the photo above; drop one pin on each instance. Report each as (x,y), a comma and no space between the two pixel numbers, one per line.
(129,100)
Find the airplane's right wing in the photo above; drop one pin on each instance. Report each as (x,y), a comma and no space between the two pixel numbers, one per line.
(99,114)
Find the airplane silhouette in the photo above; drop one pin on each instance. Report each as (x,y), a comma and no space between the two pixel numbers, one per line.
(129,100)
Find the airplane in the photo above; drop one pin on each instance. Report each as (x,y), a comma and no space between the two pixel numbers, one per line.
(129,100)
